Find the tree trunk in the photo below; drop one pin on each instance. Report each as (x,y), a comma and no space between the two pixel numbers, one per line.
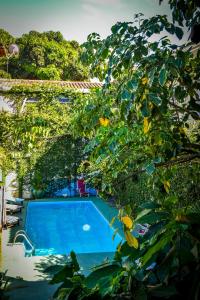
(20,186)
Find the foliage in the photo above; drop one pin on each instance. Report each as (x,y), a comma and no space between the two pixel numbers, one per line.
(56,167)
(151,107)
(3,285)
(48,73)
(6,163)
(45,55)
(31,134)
(4,74)
(166,265)
(49,55)
(185,11)
(143,136)
(5,38)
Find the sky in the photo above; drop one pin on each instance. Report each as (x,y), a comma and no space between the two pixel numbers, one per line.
(75,19)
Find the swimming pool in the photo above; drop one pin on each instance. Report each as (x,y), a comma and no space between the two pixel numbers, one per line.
(58,227)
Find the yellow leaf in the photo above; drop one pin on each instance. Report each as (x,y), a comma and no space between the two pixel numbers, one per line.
(143,96)
(127,222)
(104,121)
(146,125)
(145,80)
(131,240)
(182,130)
(166,185)
(112,221)
(181,218)
(150,105)
(138,106)
(119,247)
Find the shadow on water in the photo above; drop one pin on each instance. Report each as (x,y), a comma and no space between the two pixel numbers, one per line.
(87,262)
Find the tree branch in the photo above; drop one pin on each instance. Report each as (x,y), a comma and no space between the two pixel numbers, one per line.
(179,160)
(182,109)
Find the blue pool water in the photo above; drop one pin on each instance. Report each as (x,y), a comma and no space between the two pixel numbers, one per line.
(62,226)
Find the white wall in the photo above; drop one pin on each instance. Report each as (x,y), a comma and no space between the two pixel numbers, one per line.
(10,185)
(4,105)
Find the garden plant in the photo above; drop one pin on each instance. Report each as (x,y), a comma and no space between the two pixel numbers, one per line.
(139,146)
(143,150)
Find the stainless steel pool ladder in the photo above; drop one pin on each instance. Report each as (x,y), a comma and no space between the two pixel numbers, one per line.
(23,234)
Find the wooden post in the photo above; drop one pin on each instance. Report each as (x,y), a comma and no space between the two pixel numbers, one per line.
(3,208)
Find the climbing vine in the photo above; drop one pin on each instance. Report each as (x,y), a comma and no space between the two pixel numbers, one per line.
(39,119)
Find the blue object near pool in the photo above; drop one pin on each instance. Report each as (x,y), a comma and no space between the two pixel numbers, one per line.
(70,191)
(58,227)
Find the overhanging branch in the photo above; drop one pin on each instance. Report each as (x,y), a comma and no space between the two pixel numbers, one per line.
(177,161)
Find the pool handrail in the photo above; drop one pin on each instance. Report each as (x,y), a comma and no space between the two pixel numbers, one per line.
(24,235)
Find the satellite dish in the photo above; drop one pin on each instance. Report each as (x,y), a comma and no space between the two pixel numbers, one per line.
(13,49)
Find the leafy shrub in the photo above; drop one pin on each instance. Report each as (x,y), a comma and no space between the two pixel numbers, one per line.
(4,74)
(166,265)
(48,73)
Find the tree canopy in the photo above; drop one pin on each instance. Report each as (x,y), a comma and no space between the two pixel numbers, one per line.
(143,152)
(44,55)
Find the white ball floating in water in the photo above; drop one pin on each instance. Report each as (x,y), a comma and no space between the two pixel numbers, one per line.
(86,227)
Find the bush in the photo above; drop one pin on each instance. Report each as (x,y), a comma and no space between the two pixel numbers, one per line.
(4,74)
(48,73)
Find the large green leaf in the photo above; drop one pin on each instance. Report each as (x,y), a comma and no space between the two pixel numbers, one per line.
(53,269)
(155,99)
(179,32)
(66,272)
(93,278)
(61,293)
(151,76)
(155,230)
(132,84)
(150,169)
(157,247)
(105,53)
(153,217)
(74,261)
(143,213)
(145,109)
(126,250)
(163,75)
(126,95)
(150,205)
(105,285)
(63,290)
(90,295)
